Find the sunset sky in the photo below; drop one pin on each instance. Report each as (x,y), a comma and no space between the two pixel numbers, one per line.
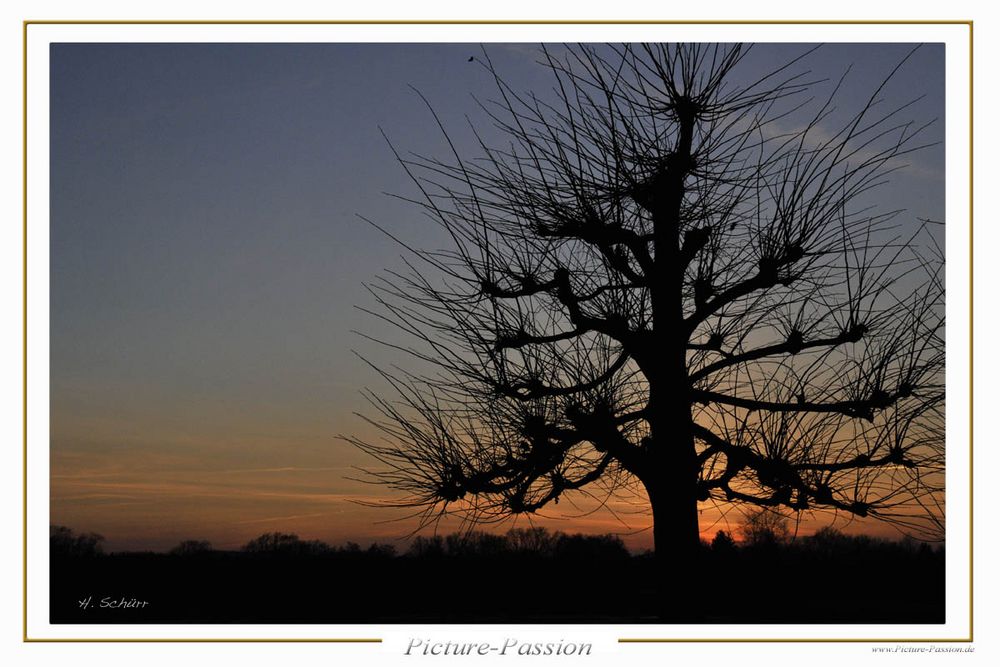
(207,257)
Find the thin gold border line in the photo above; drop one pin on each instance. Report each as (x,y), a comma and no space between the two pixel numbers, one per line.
(24,333)
(352,22)
(971,335)
(499,22)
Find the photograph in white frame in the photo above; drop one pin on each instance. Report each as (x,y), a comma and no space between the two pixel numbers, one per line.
(207,203)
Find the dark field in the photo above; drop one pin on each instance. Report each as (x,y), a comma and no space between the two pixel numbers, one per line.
(573,579)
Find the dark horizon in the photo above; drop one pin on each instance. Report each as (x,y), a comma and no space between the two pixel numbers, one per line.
(431,582)
(401,545)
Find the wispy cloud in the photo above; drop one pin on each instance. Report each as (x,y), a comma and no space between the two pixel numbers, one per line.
(298,469)
(290,517)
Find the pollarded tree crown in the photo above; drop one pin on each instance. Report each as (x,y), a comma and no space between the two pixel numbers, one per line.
(655,230)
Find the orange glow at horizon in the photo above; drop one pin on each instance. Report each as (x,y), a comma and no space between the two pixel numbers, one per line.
(141,500)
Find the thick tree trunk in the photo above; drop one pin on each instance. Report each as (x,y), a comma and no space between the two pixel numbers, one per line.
(677,543)
(671,483)
(672,473)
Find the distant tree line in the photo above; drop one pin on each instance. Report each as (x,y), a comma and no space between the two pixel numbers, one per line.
(767,530)
(535,541)
(291,544)
(759,532)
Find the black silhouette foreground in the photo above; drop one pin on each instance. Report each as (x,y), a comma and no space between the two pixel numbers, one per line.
(672,280)
(525,576)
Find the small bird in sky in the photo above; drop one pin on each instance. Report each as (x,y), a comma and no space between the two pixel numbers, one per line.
(471,58)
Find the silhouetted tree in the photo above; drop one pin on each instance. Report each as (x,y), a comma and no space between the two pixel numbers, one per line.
(64,543)
(535,541)
(191,548)
(377,550)
(723,542)
(765,528)
(590,547)
(670,277)
(351,548)
(423,547)
(286,544)
(828,540)
(476,544)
